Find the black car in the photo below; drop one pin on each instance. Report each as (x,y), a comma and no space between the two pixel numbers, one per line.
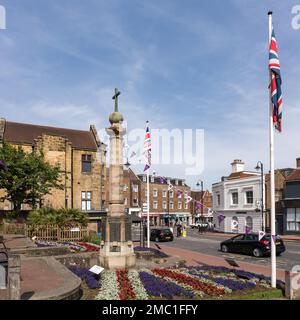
(161,234)
(249,244)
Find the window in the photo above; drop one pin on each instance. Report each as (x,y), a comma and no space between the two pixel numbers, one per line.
(145,178)
(86,200)
(171,205)
(155,193)
(218,199)
(179,205)
(249,197)
(186,206)
(152,179)
(176,182)
(125,201)
(86,163)
(234,198)
(164,205)
(125,187)
(293,219)
(154,204)
(135,188)
(164,193)
(171,193)
(135,202)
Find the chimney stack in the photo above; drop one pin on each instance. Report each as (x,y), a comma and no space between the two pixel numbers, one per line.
(298,163)
(237,166)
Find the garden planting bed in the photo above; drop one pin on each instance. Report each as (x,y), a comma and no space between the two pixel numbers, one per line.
(203,282)
(73,247)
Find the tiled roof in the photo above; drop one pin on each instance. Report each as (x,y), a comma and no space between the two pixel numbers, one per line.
(22,133)
(240,175)
(295,175)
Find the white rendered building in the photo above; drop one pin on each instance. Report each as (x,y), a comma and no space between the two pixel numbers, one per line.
(237,198)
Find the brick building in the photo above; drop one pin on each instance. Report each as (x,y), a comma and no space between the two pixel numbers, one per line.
(280,178)
(132,192)
(291,202)
(165,207)
(204,213)
(81,156)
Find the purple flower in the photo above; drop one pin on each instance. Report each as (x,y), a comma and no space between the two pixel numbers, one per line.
(85,275)
(157,287)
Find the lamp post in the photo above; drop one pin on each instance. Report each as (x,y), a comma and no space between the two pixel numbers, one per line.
(200,182)
(260,167)
(127,166)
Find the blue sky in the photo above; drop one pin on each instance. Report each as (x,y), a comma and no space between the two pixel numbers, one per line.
(179,64)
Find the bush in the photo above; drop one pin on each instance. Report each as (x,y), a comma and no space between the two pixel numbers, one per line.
(92,238)
(61,217)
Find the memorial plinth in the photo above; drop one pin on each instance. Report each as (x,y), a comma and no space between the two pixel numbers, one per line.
(116,246)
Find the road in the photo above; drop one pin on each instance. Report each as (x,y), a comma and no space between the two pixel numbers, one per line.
(210,244)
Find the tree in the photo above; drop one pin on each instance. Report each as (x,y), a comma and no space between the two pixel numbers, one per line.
(26,177)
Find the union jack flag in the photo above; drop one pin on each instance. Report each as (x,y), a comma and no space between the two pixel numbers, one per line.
(276,93)
(147,148)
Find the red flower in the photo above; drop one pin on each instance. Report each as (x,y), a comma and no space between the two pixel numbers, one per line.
(196,284)
(126,291)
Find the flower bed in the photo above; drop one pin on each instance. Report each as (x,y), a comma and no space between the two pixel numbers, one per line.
(85,275)
(168,283)
(73,246)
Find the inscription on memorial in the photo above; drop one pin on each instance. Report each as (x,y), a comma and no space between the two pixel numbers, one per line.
(115,231)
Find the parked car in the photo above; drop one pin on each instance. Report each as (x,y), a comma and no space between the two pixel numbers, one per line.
(249,244)
(198,224)
(161,234)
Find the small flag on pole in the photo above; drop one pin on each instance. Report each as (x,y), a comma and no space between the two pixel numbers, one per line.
(276,94)
(261,234)
(198,205)
(162,180)
(147,148)
(221,218)
(179,194)
(133,154)
(188,199)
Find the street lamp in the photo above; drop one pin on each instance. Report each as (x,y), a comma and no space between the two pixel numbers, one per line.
(260,167)
(200,182)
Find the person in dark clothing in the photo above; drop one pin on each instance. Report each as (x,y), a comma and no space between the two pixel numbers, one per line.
(179,230)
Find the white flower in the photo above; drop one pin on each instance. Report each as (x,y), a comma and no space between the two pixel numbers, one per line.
(109,286)
(137,285)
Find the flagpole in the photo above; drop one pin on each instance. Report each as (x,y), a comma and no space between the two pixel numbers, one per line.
(148,211)
(272,175)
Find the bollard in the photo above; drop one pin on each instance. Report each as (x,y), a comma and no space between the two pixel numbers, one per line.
(292,284)
(14,277)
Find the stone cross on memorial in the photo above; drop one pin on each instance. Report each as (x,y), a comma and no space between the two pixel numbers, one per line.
(116,246)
